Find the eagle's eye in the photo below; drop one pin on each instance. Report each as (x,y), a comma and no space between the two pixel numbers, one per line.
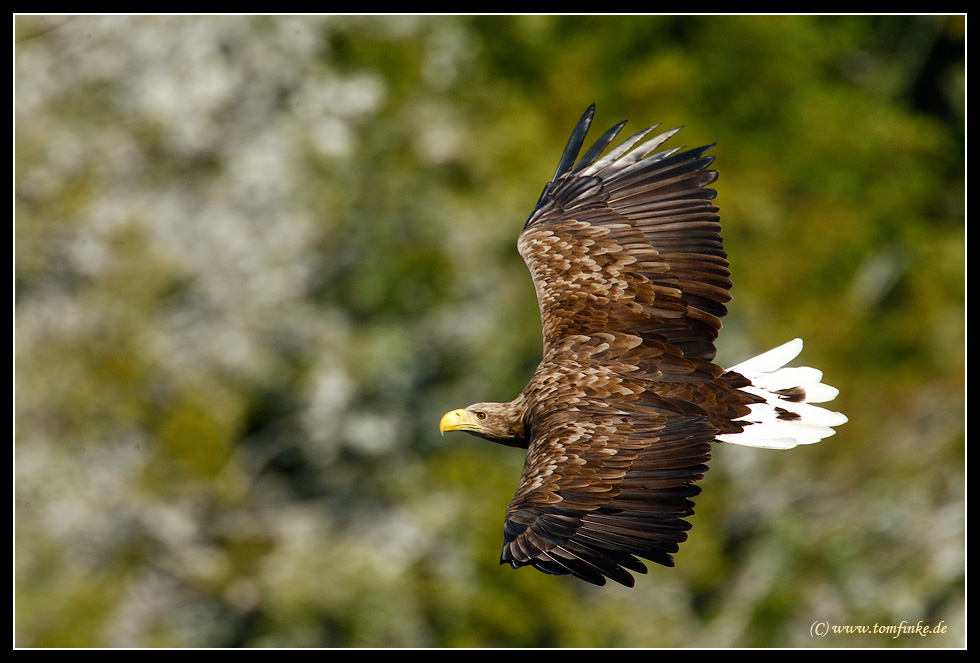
(481,415)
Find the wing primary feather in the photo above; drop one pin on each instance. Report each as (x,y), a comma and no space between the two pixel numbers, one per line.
(644,150)
(647,148)
(597,148)
(575,143)
(618,151)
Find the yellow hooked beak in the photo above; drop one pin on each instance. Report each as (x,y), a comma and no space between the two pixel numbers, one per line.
(458,420)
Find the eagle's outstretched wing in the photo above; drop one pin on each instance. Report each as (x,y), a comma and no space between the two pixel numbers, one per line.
(630,242)
(626,256)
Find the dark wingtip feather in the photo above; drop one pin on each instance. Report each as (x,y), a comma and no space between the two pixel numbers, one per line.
(598,147)
(575,142)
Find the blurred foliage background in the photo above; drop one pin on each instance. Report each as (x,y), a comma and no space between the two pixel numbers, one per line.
(256,258)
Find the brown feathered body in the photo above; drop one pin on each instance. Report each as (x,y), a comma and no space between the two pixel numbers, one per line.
(625,253)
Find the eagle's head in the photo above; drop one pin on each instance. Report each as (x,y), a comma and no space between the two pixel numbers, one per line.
(502,423)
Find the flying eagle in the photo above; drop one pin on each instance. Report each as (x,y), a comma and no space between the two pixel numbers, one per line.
(626,256)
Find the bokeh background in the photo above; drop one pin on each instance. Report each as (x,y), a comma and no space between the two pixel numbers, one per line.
(256,258)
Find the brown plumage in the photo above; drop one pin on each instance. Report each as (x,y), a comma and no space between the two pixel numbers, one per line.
(625,253)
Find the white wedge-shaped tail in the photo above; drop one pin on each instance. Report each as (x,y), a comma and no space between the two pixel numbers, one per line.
(786,418)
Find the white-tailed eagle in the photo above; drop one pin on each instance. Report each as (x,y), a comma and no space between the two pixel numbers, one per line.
(625,253)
